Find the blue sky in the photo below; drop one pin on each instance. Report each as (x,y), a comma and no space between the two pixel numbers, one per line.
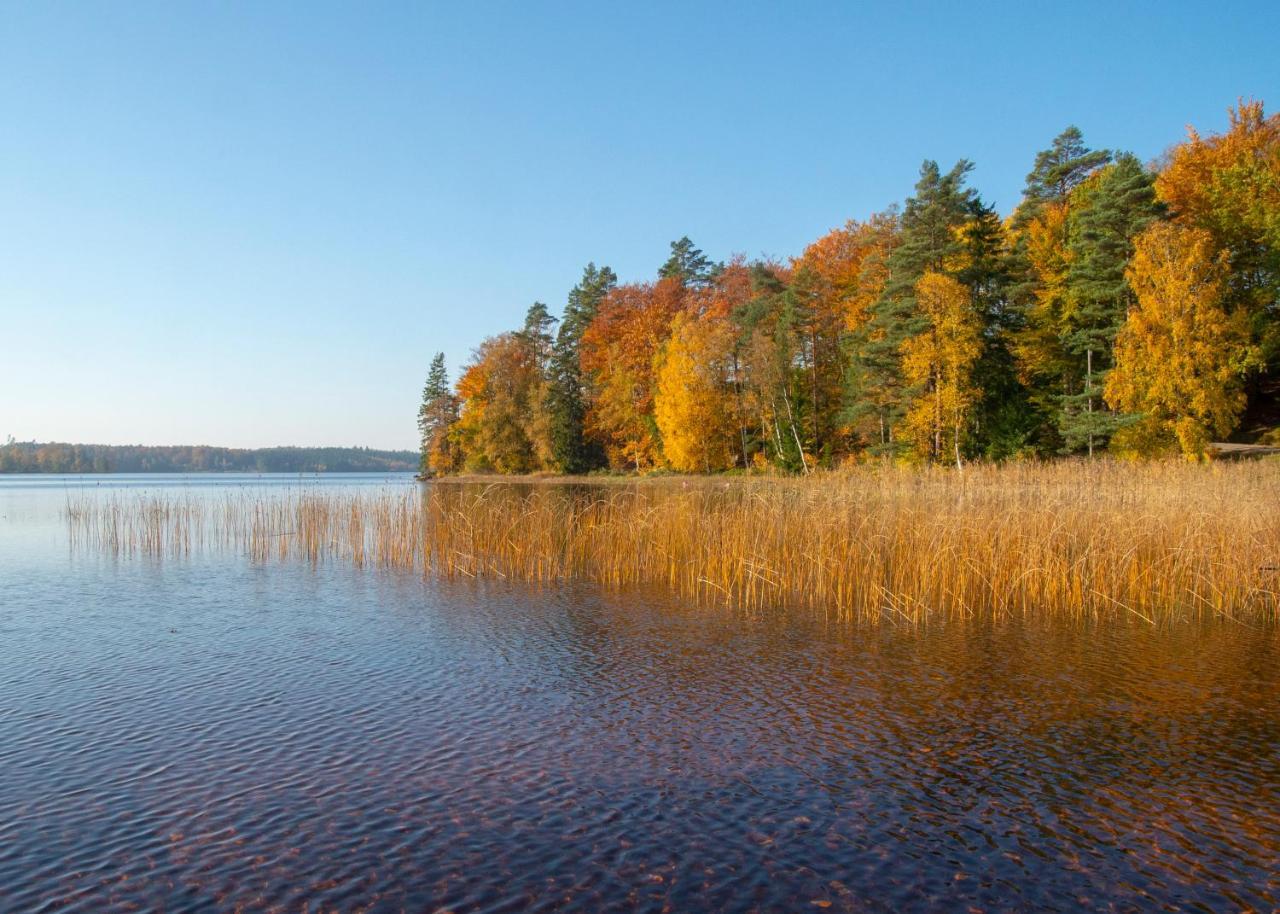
(250,224)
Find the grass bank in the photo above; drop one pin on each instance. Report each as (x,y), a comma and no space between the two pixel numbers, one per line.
(1075,539)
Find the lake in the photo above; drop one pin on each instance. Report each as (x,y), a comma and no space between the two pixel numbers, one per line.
(211,732)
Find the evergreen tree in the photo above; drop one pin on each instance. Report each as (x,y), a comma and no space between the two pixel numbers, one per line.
(437,413)
(536,333)
(930,240)
(689,265)
(817,333)
(566,401)
(1100,244)
(539,344)
(1035,288)
(800,365)
(1058,170)
(1004,419)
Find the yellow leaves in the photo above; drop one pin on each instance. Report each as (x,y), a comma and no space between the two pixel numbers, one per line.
(963,235)
(693,405)
(1038,346)
(938,363)
(1048,251)
(500,425)
(1228,184)
(1180,355)
(618,419)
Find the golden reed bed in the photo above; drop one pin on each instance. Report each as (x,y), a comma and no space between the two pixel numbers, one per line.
(1073,539)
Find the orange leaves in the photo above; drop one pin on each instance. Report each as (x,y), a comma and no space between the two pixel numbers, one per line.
(731,290)
(499,390)
(617,353)
(633,321)
(850,266)
(805,364)
(1228,184)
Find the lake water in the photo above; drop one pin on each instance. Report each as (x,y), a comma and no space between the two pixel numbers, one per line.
(208,733)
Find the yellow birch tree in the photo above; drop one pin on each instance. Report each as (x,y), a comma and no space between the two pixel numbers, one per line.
(1180,356)
(693,403)
(938,365)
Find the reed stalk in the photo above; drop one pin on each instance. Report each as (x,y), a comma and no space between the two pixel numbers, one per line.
(1149,543)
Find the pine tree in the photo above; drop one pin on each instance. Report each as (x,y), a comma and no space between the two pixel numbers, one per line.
(567,398)
(1100,244)
(818,328)
(436,415)
(1036,269)
(538,416)
(536,333)
(930,239)
(1059,170)
(1004,419)
(689,265)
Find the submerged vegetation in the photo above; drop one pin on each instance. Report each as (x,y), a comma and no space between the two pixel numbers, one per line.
(1075,539)
(1121,307)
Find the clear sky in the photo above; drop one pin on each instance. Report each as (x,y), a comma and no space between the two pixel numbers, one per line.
(251,224)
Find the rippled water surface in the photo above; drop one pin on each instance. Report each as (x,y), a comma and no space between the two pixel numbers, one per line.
(211,734)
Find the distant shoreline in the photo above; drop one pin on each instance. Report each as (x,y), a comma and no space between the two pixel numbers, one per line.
(408,472)
(79,459)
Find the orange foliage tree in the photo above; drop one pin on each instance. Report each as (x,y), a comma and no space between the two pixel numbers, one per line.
(495,390)
(836,281)
(617,354)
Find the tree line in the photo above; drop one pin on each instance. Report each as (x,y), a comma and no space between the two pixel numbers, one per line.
(31,457)
(1121,307)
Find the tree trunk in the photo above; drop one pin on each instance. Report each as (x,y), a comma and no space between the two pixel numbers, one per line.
(1088,396)
(804,464)
(937,418)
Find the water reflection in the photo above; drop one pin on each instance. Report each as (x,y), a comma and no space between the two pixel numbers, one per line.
(207,734)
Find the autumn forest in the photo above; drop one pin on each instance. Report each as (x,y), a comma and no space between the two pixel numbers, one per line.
(1122,308)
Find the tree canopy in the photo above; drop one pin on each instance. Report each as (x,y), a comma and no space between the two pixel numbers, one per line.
(1120,306)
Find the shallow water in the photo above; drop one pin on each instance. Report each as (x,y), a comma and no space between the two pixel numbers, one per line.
(206,733)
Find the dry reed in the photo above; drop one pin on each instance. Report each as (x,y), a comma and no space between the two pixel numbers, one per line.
(1075,539)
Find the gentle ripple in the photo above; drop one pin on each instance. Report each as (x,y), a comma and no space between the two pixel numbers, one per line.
(212,735)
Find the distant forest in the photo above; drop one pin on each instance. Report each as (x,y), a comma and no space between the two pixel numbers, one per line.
(32,457)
